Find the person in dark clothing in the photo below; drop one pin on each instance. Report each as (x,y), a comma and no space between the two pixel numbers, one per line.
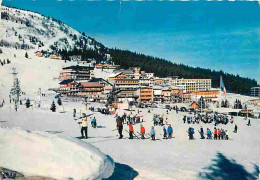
(120,127)
(249,123)
(202,133)
(190,133)
(235,129)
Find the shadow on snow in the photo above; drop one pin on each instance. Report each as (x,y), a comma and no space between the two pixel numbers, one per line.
(123,172)
(223,168)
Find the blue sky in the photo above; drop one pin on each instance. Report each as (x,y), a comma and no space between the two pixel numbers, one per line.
(215,35)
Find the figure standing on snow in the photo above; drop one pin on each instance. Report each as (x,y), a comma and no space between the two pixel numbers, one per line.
(226,132)
(119,124)
(201,133)
(164,133)
(190,133)
(74,113)
(209,135)
(84,126)
(131,130)
(249,123)
(142,129)
(215,133)
(170,130)
(94,122)
(235,129)
(152,133)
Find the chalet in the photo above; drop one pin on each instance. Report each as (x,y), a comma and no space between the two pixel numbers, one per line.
(108,87)
(119,75)
(38,53)
(194,105)
(91,89)
(69,87)
(79,73)
(55,57)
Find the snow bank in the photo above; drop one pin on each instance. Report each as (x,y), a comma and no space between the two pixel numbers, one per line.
(43,154)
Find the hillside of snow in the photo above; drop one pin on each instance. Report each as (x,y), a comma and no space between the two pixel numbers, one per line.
(53,156)
(28,30)
(33,73)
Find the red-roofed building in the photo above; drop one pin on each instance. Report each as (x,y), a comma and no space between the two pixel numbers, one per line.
(91,89)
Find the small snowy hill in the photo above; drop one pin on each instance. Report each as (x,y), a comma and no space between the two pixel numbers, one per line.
(28,30)
(50,155)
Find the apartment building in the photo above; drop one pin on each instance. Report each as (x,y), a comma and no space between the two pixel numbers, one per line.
(78,73)
(146,94)
(192,85)
(255,91)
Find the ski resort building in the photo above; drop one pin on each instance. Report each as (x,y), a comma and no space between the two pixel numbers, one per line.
(192,85)
(69,87)
(55,57)
(255,91)
(208,96)
(166,94)
(78,73)
(91,89)
(127,84)
(146,95)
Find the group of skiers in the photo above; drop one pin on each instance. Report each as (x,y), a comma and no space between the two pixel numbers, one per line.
(217,118)
(167,132)
(218,133)
(158,120)
(133,119)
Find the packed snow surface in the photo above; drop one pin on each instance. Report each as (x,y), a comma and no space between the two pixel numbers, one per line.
(50,155)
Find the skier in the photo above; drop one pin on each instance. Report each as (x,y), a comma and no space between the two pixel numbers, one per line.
(190,133)
(226,137)
(223,133)
(74,114)
(131,130)
(201,133)
(235,129)
(84,126)
(142,129)
(184,119)
(208,133)
(119,124)
(94,122)
(215,133)
(219,134)
(169,129)
(15,106)
(164,133)
(249,123)
(152,133)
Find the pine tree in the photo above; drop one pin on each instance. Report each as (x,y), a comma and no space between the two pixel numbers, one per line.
(27,103)
(201,103)
(26,55)
(53,107)
(16,90)
(59,101)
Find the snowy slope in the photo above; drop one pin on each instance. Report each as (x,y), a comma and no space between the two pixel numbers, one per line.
(50,155)
(34,31)
(33,73)
(177,158)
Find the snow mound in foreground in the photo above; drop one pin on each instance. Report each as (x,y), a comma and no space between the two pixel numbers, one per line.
(50,155)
